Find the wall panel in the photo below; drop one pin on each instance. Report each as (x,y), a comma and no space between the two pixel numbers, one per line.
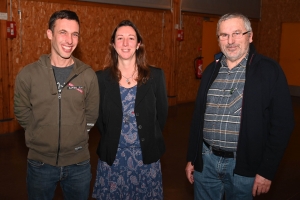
(6,105)
(160,4)
(97,24)
(187,84)
(274,13)
(250,8)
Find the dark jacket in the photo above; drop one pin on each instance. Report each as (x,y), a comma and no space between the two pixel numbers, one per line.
(266,122)
(151,109)
(56,125)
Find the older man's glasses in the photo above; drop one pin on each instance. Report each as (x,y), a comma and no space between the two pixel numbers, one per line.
(235,35)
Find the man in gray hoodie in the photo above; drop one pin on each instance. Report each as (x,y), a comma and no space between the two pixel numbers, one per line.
(56,101)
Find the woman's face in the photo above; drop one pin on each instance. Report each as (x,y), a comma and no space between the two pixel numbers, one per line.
(126,43)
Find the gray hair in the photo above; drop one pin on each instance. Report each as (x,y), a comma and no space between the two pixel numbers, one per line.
(227,16)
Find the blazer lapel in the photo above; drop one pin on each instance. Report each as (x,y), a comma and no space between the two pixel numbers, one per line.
(142,90)
(113,92)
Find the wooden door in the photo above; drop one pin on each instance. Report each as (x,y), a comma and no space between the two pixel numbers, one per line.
(209,41)
(289,57)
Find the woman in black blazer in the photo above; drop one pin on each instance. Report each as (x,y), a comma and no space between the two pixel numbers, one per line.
(133,111)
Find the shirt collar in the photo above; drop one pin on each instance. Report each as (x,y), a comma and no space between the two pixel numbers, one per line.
(242,63)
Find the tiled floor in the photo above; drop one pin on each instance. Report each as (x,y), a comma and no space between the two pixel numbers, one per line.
(286,185)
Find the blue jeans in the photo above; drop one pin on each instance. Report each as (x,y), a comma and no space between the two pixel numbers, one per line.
(218,178)
(43,178)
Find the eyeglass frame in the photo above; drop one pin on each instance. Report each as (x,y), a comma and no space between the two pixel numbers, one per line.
(233,34)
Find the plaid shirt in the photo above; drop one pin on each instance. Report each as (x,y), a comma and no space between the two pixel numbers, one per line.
(223,107)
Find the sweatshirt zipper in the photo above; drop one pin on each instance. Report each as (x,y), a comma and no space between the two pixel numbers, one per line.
(59,117)
(59,124)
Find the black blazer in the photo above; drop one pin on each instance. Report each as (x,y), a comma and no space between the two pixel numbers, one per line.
(151,109)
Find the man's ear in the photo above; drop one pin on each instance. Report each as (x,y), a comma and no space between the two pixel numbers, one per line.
(49,34)
(251,37)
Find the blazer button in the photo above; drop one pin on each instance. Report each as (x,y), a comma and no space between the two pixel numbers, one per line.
(137,114)
(142,139)
(140,127)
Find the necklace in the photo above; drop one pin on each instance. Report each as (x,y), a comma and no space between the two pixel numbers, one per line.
(127,79)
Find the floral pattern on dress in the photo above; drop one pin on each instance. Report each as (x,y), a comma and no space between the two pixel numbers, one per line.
(128,178)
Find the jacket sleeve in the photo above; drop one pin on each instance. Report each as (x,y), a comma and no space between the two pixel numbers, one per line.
(281,124)
(194,130)
(161,100)
(196,127)
(22,106)
(92,102)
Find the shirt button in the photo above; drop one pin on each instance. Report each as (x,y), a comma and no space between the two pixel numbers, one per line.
(137,114)
(140,127)
(142,139)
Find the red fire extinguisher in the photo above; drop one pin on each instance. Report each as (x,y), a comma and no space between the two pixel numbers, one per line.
(198,67)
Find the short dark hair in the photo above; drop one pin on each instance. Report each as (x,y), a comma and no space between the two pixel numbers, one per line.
(63,14)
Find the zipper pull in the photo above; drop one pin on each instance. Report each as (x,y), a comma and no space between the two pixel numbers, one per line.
(59,94)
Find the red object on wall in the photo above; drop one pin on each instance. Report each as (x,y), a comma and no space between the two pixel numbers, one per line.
(198,67)
(11,29)
(180,35)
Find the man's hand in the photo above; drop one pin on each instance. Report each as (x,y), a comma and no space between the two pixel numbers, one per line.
(189,171)
(261,185)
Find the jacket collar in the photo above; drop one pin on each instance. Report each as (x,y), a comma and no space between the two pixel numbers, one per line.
(45,61)
(252,53)
(217,61)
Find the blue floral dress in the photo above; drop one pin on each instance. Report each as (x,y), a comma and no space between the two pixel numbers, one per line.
(128,178)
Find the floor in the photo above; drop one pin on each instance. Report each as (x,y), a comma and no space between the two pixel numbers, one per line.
(285,186)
